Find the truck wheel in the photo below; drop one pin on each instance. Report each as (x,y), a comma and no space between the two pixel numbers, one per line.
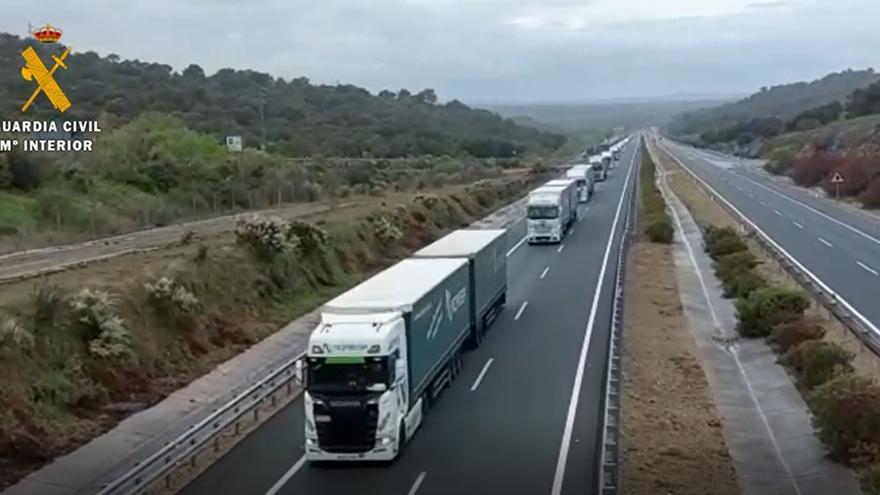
(401,438)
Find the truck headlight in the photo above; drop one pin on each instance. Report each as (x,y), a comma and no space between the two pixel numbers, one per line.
(383,440)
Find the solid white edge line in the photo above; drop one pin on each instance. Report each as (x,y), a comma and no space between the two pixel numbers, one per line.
(289,474)
(867,268)
(521,309)
(814,210)
(559,475)
(544,273)
(417,483)
(482,374)
(823,241)
(518,244)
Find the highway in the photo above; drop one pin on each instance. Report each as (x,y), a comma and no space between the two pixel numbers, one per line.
(523,417)
(839,246)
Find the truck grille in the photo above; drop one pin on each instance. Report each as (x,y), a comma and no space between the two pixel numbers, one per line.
(352,425)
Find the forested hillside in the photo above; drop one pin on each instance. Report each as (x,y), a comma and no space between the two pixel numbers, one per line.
(301,118)
(780,102)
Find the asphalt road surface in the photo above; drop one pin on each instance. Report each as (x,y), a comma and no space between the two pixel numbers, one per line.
(523,417)
(839,246)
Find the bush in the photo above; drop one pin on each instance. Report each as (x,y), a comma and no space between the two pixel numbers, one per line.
(765,308)
(870,479)
(815,362)
(780,161)
(790,334)
(660,231)
(14,335)
(265,237)
(48,304)
(311,237)
(106,333)
(730,265)
(846,413)
(742,284)
(170,296)
(870,197)
(722,241)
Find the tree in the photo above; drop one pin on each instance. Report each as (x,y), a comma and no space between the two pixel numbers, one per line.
(427,96)
(194,71)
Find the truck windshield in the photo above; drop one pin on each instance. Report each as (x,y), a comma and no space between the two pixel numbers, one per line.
(543,212)
(357,374)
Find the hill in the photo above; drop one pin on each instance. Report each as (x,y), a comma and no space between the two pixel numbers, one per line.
(784,102)
(297,117)
(604,115)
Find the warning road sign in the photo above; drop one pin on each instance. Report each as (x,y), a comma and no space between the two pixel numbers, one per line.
(837,178)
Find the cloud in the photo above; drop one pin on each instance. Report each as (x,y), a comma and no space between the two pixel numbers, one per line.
(481,50)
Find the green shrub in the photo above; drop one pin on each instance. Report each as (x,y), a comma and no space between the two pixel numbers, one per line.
(846,413)
(790,334)
(660,231)
(733,264)
(765,308)
(722,242)
(48,305)
(815,362)
(870,479)
(105,333)
(742,284)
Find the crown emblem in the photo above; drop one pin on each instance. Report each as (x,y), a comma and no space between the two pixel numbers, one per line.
(47,34)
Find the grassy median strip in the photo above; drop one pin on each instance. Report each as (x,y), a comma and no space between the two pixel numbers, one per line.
(657,224)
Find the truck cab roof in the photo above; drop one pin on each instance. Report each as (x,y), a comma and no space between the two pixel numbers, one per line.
(339,335)
(559,183)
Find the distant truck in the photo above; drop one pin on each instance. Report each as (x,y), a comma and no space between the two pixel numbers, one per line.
(549,214)
(583,177)
(381,354)
(607,160)
(486,252)
(600,171)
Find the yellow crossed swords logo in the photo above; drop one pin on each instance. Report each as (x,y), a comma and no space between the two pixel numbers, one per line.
(35,70)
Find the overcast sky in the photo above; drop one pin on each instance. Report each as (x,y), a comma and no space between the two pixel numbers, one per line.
(484,50)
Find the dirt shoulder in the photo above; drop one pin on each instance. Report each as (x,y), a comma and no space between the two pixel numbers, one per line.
(671,437)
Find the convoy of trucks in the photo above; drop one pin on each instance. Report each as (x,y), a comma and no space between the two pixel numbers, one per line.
(384,350)
(583,178)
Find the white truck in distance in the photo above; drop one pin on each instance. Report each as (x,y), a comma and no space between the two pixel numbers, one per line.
(385,349)
(584,180)
(549,214)
(607,160)
(600,172)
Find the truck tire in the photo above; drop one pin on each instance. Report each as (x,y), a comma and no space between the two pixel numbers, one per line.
(401,438)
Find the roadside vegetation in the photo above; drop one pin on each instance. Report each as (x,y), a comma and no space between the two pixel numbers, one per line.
(845,404)
(154,171)
(657,223)
(82,350)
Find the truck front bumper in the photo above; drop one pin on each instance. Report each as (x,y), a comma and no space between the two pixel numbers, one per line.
(379,453)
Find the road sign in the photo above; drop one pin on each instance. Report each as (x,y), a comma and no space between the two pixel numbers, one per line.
(837,178)
(233,143)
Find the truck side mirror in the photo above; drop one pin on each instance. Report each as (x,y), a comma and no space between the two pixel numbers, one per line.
(399,369)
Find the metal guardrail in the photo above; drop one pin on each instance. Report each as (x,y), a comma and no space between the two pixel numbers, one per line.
(857,323)
(182,449)
(609,458)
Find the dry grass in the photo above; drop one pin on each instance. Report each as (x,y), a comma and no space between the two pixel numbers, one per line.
(671,438)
